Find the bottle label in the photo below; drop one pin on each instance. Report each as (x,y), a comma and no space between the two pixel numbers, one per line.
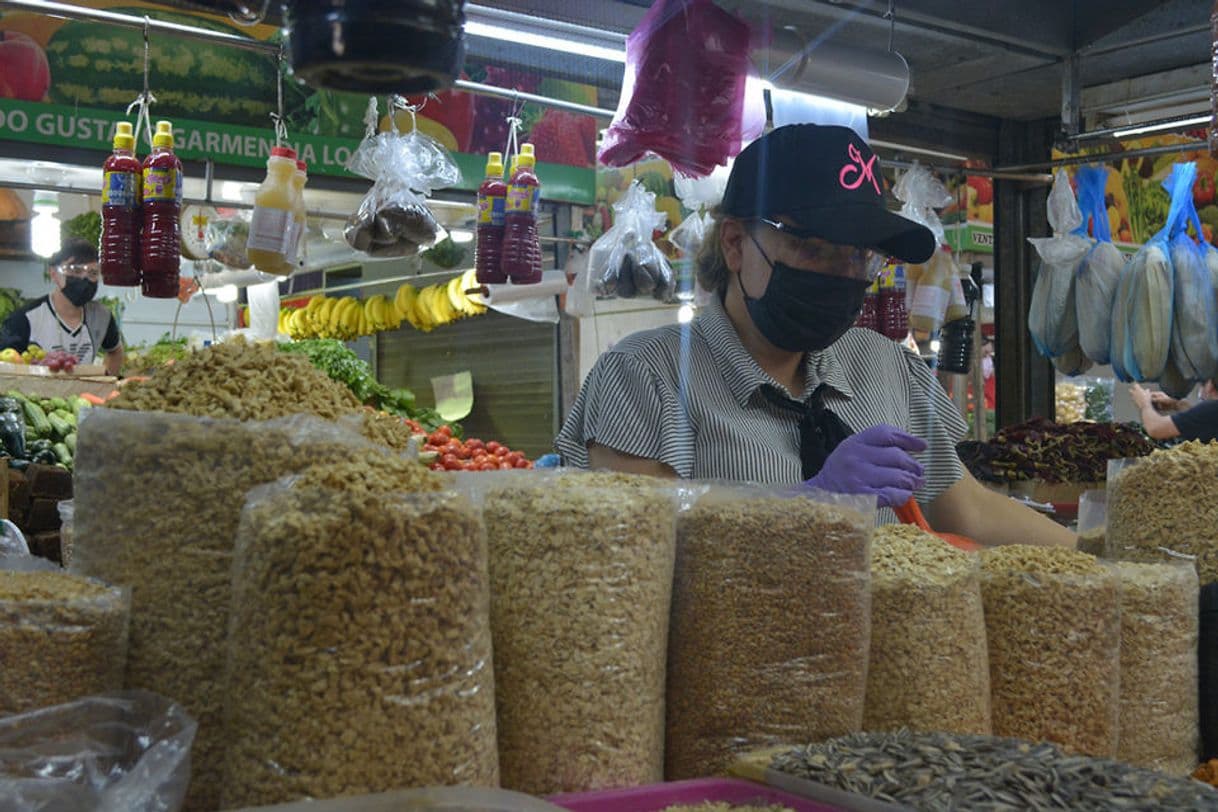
(522,198)
(491,210)
(120,189)
(162,185)
(269,229)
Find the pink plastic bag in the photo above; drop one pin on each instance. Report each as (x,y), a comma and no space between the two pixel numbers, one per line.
(683,95)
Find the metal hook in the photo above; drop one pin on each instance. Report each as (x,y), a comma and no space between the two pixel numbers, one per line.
(246,17)
(281,125)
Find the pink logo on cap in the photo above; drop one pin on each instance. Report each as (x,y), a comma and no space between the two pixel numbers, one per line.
(859,169)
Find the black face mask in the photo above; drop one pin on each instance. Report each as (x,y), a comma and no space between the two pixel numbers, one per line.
(79,290)
(804,311)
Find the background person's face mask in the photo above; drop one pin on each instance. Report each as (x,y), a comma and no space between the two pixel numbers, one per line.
(804,311)
(79,290)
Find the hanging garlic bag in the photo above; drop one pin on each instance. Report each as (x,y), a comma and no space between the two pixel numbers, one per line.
(1100,271)
(1142,315)
(1194,338)
(1053,318)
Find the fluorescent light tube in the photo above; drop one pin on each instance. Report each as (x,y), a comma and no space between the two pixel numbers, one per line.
(1163,125)
(549,42)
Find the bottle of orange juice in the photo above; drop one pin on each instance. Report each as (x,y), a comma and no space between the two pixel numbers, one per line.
(272,221)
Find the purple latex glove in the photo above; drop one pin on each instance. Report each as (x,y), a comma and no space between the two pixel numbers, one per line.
(876,461)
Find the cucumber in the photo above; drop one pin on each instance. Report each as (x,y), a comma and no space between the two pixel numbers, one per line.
(59,427)
(62,453)
(99,65)
(36,418)
(70,442)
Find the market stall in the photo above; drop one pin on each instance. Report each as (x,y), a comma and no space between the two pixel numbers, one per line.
(305,550)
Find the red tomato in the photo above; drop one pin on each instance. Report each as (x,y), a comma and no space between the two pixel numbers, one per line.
(437,439)
(492,446)
(474,444)
(447,431)
(522,464)
(515,456)
(437,466)
(488,466)
(450,461)
(502,451)
(506,466)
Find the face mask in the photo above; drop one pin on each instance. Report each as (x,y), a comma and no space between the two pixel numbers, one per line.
(805,311)
(79,290)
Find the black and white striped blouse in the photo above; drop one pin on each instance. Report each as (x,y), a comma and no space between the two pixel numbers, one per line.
(690,397)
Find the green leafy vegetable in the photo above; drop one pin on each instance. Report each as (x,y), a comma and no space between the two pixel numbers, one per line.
(85,227)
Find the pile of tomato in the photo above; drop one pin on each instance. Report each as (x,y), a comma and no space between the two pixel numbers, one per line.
(453,454)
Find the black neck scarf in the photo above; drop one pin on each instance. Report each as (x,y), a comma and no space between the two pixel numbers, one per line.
(820,430)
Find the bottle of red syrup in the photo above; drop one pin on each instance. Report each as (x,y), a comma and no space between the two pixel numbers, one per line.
(118,253)
(893,317)
(160,255)
(492,201)
(521,249)
(869,316)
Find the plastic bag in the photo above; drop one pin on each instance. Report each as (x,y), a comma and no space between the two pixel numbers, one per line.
(225,239)
(926,619)
(1159,630)
(1142,315)
(160,499)
(1194,338)
(62,636)
(770,624)
(1100,271)
(581,583)
(359,645)
(931,288)
(921,193)
(1053,630)
(1092,522)
(393,219)
(683,92)
(121,752)
(624,261)
(1053,316)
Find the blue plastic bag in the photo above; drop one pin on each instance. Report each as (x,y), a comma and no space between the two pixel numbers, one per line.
(1142,314)
(1052,317)
(1100,271)
(1194,338)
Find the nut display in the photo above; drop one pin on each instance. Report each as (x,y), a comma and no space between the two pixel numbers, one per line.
(158,500)
(581,577)
(1052,620)
(926,620)
(360,653)
(62,637)
(1159,629)
(769,626)
(1167,503)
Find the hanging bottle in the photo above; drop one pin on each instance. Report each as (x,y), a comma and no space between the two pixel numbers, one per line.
(293,249)
(272,218)
(122,180)
(521,262)
(161,241)
(492,199)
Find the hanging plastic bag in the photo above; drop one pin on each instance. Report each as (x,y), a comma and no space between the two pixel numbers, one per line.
(122,752)
(929,287)
(1053,316)
(921,195)
(683,93)
(393,219)
(1145,296)
(1100,271)
(624,261)
(1194,339)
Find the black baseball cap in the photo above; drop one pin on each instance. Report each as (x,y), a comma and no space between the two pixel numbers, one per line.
(828,181)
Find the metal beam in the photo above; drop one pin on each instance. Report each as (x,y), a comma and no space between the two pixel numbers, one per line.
(1072,104)
(1025,379)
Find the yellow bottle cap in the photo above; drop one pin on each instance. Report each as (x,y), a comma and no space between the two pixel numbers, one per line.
(494,165)
(527,157)
(124,137)
(164,134)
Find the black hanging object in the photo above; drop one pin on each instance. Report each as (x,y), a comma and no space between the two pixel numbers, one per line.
(376,46)
(956,337)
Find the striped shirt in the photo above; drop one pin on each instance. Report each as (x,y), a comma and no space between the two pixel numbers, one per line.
(690,396)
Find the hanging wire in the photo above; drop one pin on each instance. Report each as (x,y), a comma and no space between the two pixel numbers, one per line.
(514,122)
(280,121)
(145,100)
(891,16)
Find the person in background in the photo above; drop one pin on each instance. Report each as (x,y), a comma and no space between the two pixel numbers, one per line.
(67,319)
(1166,418)
(769,383)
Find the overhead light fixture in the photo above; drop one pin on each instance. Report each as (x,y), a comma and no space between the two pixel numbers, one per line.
(875,79)
(539,32)
(461,235)
(45,240)
(1160,126)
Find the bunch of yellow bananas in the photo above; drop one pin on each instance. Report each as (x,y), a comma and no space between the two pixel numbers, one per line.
(348,318)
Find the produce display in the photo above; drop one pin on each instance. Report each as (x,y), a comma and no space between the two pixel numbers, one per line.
(62,636)
(769,625)
(1052,619)
(581,581)
(926,619)
(1159,629)
(350,317)
(1052,452)
(445,452)
(159,495)
(10,300)
(41,430)
(1167,504)
(147,357)
(360,653)
(1082,399)
(933,771)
